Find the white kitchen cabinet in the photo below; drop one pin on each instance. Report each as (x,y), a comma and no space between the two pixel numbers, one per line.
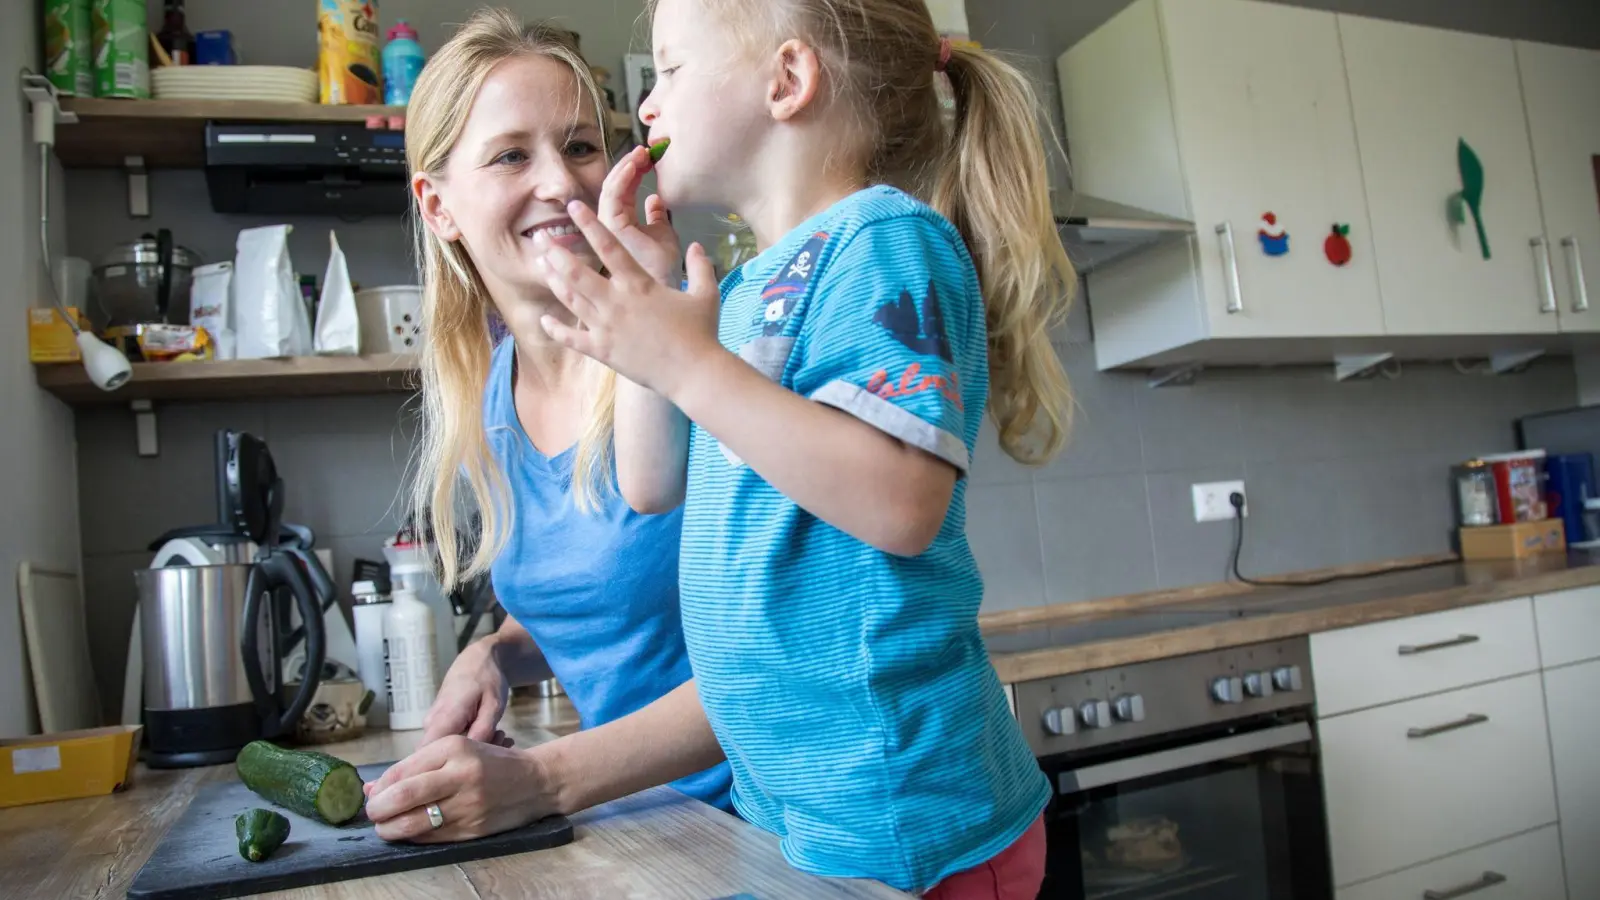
(1425,778)
(1561,91)
(1381,662)
(1568,625)
(1525,867)
(1222,111)
(1417,92)
(1569,694)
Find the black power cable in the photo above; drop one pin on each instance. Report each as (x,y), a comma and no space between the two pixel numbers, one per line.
(1236,500)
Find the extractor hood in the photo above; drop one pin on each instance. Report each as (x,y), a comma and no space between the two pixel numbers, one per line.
(1097,232)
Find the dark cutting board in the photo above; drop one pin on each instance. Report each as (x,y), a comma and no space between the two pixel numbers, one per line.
(199,858)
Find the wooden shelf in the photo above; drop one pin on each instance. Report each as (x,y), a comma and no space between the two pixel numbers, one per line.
(243,379)
(171,133)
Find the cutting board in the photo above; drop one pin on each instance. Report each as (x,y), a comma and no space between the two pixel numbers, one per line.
(199,858)
(58,649)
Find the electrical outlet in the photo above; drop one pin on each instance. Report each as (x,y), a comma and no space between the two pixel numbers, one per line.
(1211,501)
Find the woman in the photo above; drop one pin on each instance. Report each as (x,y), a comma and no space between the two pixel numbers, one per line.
(503,130)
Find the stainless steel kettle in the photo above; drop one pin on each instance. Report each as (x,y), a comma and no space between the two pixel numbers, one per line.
(213,647)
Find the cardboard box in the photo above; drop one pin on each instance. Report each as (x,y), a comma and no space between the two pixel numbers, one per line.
(50,338)
(67,765)
(1515,541)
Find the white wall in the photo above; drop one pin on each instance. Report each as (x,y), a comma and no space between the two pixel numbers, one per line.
(38,471)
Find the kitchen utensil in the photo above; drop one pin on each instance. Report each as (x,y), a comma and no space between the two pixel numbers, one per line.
(391,319)
(199,856)
(58,649)
(135,283)
(212,647)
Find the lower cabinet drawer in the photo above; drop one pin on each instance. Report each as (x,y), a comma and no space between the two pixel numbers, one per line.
(1525,867)
(1429,777)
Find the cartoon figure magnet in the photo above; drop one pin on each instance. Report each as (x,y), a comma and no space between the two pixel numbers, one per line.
(1274,239)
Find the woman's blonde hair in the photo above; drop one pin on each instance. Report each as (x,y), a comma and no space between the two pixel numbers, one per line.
(457,346)
(987,175)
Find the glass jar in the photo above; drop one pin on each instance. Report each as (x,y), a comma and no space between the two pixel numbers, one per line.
(1476,500)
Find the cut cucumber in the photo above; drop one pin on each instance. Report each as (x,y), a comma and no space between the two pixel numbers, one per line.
(313,784)
(260,832)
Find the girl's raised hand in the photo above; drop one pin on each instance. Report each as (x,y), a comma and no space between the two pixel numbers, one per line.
(654,244)
(630,321)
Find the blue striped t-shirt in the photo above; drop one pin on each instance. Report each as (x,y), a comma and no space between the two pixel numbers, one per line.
(850,688)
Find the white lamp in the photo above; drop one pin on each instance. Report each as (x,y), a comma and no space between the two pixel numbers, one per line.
(107,367)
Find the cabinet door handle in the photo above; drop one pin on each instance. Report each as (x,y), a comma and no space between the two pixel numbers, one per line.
(1230,268)
(1457,641)
(1488,880)
(1580,289)
(1547,281)
(1465,721)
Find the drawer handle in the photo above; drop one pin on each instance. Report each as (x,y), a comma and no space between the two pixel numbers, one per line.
(1412,649)
(1489,880)
(1465,721)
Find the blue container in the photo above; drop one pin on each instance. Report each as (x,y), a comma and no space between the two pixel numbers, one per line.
(402,62)
(1569,481)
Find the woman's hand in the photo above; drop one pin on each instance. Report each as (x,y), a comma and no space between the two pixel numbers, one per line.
(649,333)
(471,699)
(654,244)
(481,789)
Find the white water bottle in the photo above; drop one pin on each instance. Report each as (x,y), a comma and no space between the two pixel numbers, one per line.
(370,607)
(408,652)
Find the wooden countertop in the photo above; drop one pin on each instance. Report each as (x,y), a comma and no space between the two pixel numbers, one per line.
(1045,642)
(657,843)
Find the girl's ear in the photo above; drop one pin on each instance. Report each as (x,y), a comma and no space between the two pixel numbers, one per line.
(796,79)
(431,205)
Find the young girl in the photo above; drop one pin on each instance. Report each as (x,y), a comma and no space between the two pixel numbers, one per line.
(829,595)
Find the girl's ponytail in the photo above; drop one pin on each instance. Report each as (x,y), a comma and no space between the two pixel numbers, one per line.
(993,185)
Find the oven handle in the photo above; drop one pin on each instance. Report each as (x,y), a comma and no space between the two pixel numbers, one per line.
(1090,777)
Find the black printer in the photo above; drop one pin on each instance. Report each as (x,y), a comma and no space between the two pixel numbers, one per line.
(305,168)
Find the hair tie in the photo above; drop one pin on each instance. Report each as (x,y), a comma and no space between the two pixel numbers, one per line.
(944,55)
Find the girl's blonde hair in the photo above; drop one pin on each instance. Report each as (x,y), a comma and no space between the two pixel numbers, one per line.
(987,175)
(457,345)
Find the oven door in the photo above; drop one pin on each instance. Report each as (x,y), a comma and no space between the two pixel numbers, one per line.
(1235,815)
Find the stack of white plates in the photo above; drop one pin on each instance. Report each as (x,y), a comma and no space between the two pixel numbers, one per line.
(282,83)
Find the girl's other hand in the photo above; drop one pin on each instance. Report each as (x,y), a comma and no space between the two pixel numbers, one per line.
(654,244)
(647,332)
(471,699)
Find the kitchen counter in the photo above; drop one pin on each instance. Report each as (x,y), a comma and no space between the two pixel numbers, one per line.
(1030,644)
(657,843)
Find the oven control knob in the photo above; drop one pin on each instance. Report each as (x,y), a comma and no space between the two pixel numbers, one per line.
(1227,690)
(1286,678)
(1060,721)
(1258,684)
(1095,714)
(1130,708)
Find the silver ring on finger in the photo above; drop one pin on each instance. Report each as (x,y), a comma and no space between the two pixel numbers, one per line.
(435,817)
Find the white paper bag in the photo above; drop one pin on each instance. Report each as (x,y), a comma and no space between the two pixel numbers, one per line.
(270,318)
(211,305)
(338,325)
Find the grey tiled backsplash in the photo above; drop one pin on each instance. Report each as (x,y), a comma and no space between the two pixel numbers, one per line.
(1336,473)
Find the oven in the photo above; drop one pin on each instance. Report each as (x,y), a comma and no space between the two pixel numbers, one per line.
(1194,777)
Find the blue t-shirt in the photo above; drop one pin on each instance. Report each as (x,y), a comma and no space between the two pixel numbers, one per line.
(597,591)
(851,688)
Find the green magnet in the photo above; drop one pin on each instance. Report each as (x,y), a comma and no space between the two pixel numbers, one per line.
(659,149)
(1470,197)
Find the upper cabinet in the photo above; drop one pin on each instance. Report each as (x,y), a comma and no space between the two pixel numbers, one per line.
(1235,115)
(1337,169)
(1561,90)
(1419,94)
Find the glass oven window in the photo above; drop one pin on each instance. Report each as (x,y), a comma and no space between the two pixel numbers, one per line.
(1248,827)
